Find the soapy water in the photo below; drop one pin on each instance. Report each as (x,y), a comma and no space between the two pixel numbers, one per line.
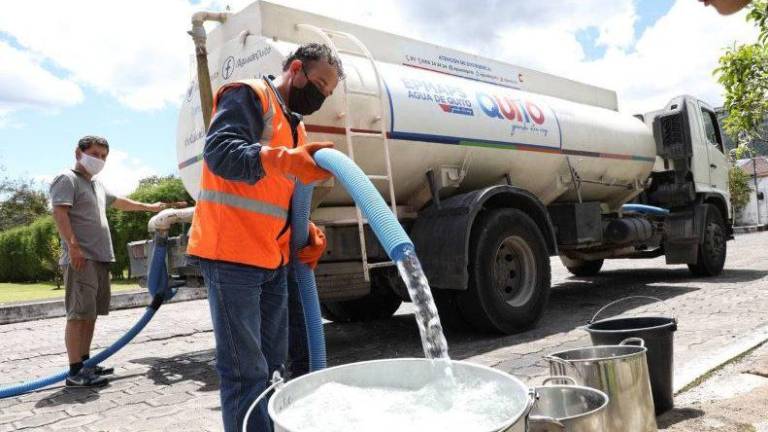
(478,405)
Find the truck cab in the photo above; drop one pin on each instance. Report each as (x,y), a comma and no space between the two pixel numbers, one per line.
(710,163)
(689,184)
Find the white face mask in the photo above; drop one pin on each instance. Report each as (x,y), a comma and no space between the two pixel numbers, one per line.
(91,164)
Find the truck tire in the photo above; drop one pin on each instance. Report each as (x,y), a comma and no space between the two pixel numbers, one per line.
(381,303)
(582,268)
(509,273)
(712,251)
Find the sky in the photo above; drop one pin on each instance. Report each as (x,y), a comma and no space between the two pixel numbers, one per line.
(114,69)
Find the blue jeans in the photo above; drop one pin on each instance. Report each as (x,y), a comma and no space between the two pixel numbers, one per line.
(249,310)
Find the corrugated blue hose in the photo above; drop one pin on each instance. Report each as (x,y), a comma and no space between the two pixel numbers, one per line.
(305,277)
(384,224)
(644,209)
(158,287)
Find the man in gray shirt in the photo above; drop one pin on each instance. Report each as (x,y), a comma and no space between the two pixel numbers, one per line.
(79,209)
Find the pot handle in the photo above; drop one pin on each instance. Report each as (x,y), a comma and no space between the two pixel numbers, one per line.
(541,423)
(533,397)
(633,340)
(568,379)
(565,363)
(672,311)
(277,384)
(544,424)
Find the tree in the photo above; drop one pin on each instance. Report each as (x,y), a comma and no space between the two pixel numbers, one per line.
(132,226)
(743,72)
(738,186)
(22,203)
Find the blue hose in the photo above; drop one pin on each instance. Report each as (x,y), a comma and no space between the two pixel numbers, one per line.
(158,287)
(644,209)
(388,230)
(384,224)
(305,277)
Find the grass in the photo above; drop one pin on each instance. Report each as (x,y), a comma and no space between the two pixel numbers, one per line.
(23,292)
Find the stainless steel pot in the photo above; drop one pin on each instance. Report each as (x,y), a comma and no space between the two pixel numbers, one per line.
(407,373)
(621,371)
(568,408)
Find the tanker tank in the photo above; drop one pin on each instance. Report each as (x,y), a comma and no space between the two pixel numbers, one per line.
(474,122)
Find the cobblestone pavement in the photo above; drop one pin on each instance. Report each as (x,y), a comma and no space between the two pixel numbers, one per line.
(165,379)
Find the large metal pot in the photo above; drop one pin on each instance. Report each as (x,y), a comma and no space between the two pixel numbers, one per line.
(621,371)
(407,373)
(568,408)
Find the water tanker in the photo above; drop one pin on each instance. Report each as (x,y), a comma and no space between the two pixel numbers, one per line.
(491,167)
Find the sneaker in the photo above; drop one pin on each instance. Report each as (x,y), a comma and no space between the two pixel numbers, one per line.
(101,371)
(86,378)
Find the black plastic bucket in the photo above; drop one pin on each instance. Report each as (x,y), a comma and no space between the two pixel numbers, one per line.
(658,334)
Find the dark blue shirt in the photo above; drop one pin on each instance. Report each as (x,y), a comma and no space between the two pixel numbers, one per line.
(232,145)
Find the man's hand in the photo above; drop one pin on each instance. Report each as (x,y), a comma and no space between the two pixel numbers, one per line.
(296,161)
(76,257)
(313,251)
(159,206)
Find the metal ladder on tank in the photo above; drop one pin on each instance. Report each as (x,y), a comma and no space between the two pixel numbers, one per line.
(351,133)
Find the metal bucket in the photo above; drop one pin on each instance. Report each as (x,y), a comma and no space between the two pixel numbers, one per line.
(568,408)
(621,371)
(658,334)
(408,373)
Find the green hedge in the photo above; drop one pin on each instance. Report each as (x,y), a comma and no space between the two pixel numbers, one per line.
(30,253)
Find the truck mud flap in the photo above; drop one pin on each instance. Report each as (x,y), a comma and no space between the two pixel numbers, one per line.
(684,233)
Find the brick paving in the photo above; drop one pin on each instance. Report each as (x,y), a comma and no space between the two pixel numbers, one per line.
(165,379)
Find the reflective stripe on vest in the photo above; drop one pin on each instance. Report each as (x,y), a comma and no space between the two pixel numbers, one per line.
(240,202)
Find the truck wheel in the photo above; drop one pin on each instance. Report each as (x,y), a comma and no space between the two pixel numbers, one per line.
(381,303)
(582,268)
(713,249)
(509,273)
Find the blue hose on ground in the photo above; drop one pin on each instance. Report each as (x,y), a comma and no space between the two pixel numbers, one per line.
(158,287)
(305,277)
(644,209)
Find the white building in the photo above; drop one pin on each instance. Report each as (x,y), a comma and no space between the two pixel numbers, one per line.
(749,214)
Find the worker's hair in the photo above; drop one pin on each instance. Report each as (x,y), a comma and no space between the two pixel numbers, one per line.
(314,52)
(87,141)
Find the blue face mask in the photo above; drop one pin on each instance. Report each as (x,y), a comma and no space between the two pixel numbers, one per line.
(307,99)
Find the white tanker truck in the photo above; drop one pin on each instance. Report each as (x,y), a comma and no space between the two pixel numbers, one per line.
(492,168)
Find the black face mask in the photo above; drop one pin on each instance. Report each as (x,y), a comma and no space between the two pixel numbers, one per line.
(307,99)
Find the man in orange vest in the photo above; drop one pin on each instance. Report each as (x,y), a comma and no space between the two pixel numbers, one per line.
(255,149)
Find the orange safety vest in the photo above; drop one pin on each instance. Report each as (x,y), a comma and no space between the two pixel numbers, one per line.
(242,223)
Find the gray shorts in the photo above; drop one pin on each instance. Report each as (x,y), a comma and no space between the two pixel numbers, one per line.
(88,290)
